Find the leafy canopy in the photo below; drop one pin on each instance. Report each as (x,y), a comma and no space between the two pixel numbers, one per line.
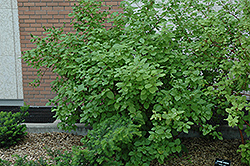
(161,68)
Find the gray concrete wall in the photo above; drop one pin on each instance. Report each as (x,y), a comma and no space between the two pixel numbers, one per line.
(10,52)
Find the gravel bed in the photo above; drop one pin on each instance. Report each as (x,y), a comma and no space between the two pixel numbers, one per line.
(34,145)
(201,151)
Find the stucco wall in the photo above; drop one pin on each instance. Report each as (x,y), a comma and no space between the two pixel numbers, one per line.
(10,65)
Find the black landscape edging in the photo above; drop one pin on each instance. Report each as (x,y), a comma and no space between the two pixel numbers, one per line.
(37,114)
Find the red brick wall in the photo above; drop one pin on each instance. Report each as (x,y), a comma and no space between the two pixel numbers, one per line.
(33,15)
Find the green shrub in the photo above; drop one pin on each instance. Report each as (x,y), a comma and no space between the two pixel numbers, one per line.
(244,149)
(11,131)
(149,77)
(5,162)
(22,161)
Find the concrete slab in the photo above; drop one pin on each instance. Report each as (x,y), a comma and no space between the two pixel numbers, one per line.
(52,127)
(228,132)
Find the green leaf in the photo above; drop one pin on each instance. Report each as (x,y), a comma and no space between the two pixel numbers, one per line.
(148,86)
(143,92)
(111,102)
(177,98)
(146,105)
(117,106)
(142,40)
(152,89)
(177,141)
(119,84)
(168,135)
(70,14)
(110,95)
(159,131)
(81,88)
(185,130)
(158,107)
(143,97)
(131,109)
(173,149)
(178,149)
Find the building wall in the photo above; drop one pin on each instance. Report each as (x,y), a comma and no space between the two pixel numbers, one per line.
(33,15)
(11,91)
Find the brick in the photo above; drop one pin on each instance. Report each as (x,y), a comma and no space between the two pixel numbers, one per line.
(44,100)
(59,16)
(29,96)
(41,12)
(57,25)
(29,88)
(63,12)
(39,96)
(26,41)
(34,92)
(47,16)
(20,4)
(23,47)
(34,25)
(58,8)
(46,84)
(39,88)
(52,4)
(30,29)
(111,3)
(45,92)
(34,8)
(41,4)
(35,16)
(20,12)
(63,4)
(48,88)
(25,81)
(47,25)
(53,21)
(40,104)
(28,12)
(23,0)
(25,8)
(39,29)
(47,8)
(68,8)
(24,34)
(28,4)
(65,20)
(53,77)
(42,21)
(52,12)
(117,8)
(36,101)
(30,21)
(30,45)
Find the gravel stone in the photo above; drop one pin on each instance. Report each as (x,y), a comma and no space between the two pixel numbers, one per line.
(34,145)
(204,152)
(201,151)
